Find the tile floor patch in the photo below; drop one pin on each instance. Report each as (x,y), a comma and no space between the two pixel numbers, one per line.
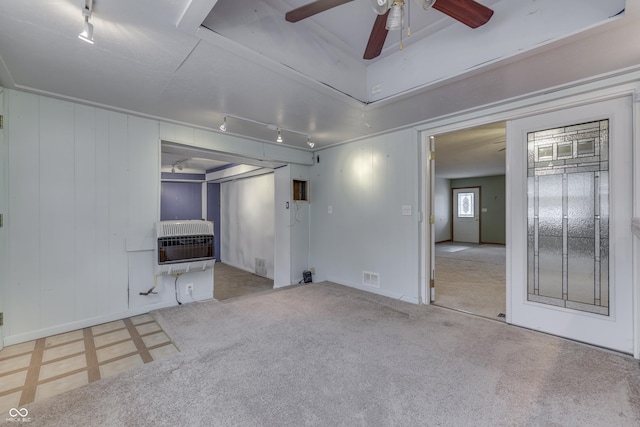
(107,327)
(11,381)
(63,338)
(148,328)
(116,350)
(155,339)
(13,363)
(63,350)
(61,385)
(63,366)
(111,338)
(65,358)
(121,365)
(145,318)
(16,349)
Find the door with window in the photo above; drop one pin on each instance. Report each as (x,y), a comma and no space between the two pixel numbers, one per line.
(466,215)
(570,187)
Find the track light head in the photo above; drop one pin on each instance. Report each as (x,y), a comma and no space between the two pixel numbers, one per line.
(223,126)
(87,31)
(309,143)
(279,139)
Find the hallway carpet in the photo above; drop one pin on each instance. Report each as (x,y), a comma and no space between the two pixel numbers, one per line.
(471,278)
(327,355)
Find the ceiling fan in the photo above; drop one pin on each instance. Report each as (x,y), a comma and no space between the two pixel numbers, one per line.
(469,12)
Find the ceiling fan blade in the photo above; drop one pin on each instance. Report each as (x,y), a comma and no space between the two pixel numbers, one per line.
(377,37)
(469,12)
(311,9)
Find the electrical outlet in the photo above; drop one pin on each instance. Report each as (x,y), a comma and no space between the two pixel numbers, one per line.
(188,289)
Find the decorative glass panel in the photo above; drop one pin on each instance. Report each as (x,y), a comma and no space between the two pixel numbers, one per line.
(568,217)
(465,205)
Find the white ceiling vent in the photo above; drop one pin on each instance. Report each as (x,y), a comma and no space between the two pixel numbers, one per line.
(371,279)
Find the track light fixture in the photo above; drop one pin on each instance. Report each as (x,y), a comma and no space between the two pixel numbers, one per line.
(279,138)
(309,143)
(223,126)
(87,29)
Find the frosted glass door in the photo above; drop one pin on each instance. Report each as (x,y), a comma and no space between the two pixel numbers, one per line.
(573,169)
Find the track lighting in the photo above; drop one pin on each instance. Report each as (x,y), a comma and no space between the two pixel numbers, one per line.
(223,126)
(309,143)
(279,138)
(87,29)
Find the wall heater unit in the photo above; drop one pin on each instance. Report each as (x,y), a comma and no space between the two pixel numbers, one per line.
(183,246)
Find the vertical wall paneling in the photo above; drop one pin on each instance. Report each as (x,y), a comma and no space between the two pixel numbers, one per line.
(358,192)
(282,242)
(100,289)
(57,210)
(85,210)
(142,137)
(118,211)
(24,296)
(143,175)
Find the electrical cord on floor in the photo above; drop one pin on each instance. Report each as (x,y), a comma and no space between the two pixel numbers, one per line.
(175,286)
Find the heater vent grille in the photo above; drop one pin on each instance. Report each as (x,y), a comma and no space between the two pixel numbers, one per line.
(371,279)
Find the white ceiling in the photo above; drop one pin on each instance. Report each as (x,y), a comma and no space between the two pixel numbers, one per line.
(153,58)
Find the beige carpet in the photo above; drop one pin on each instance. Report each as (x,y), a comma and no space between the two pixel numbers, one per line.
(471,278)
(327,355)
(231,282)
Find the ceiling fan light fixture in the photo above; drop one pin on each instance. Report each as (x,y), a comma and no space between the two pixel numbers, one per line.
(394,20)
(223,126)
(427,4)
(380,6)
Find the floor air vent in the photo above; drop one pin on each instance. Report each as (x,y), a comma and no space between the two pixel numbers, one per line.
(371,279)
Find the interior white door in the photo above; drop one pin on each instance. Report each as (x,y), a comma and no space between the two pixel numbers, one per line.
(466,215)
(569,183)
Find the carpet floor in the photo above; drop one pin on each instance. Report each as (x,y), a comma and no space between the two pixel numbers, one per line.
(471,278)
(327,355)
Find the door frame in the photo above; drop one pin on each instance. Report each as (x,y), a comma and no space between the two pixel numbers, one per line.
(601,88)
(479,208)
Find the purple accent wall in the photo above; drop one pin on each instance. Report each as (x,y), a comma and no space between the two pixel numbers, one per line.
(180,200)
(213,214)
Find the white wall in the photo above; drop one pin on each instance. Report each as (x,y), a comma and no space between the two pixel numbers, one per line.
(79,187)
(247,222)
(366,183)
(282,244)
(442,209)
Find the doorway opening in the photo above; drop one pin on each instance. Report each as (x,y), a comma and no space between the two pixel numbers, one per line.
(238,196)
(469,233)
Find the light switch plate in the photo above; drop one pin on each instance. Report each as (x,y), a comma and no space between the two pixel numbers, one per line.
(330,209)
(406,210)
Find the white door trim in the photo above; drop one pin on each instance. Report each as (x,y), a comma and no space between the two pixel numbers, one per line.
(610,86)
